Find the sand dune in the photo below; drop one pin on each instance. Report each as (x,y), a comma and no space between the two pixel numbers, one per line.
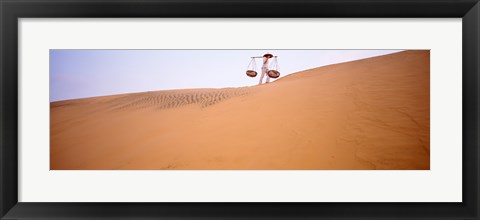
(366,114)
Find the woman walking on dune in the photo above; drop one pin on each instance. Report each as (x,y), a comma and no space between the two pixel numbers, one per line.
(266,57)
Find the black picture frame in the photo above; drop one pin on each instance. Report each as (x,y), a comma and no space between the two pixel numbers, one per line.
(11,10)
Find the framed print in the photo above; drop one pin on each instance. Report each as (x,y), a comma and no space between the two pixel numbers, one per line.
(268,134)
(250,110)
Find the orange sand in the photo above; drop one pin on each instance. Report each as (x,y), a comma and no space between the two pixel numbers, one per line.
(366,114)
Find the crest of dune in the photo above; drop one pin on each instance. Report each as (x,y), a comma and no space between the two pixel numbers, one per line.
(366,114)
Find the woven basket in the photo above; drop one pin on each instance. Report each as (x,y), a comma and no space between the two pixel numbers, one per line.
(273,74)
(251,73)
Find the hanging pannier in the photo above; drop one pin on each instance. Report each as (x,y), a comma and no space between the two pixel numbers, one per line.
(274,70)
(251,68)
(251,73)
(273,74)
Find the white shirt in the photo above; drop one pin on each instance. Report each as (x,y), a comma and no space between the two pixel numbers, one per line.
(265,63)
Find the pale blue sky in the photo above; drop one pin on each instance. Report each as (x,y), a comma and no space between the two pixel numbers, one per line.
(88,73)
